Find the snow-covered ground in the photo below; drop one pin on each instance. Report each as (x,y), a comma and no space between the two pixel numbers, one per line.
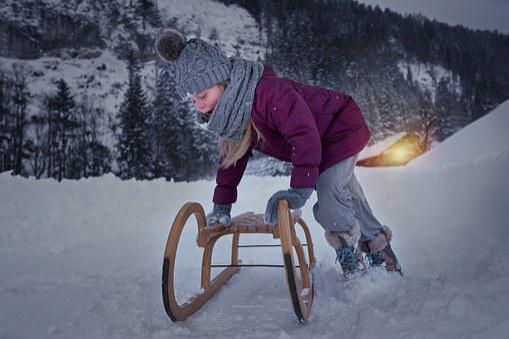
(82,259)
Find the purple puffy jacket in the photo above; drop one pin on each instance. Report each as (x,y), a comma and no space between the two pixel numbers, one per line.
(310,126)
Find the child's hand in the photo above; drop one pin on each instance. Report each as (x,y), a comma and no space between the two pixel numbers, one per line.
(220,215)
(296,198)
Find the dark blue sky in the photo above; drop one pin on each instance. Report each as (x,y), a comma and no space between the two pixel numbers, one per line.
(477,14)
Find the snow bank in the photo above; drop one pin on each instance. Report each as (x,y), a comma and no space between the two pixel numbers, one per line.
(482,140)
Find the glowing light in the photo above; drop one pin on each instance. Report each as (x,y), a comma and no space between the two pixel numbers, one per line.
(400,154)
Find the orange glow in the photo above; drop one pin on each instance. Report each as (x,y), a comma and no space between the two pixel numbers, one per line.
(400,154)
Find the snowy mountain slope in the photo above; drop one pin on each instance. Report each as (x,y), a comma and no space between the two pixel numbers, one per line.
(235,30)
(104,76)
(103,79)
(428,76)
(487,137)
(112,21)
(83,258)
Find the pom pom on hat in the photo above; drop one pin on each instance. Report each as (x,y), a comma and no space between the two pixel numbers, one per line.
(169,44)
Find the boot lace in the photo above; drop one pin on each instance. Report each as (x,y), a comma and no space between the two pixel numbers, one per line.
(347,259)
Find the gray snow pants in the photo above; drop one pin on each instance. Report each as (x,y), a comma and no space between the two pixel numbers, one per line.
(341,201)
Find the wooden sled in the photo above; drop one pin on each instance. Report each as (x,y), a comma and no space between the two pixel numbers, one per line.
(298,270)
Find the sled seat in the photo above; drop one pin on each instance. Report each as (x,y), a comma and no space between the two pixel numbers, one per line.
(248,222)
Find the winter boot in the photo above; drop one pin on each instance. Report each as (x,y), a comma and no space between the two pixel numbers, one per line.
(378,251)
(347,252)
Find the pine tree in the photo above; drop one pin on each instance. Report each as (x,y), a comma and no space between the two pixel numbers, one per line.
(37,147)
(182,150)
(5,126)
(165,128)
(205,153)
(391,121)
(197,153)
(147,10)
(93,158)
(19,101)
(133,144)
(183,156)
(62,132)
(51,135)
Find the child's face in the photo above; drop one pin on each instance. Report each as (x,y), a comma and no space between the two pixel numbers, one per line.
(206,100)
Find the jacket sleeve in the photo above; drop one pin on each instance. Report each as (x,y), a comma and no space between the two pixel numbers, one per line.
(293,119)
(227,180)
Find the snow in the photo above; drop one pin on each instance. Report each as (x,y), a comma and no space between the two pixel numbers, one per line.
(236,29)
(82,259)
(428,76)
(267,166)
(82,75)
(487,138)
(104,87)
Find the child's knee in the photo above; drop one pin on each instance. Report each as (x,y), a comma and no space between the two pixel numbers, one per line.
(332,219)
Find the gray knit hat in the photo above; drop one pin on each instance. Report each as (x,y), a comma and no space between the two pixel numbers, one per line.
(198,64)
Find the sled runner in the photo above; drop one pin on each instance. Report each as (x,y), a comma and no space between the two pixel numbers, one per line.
(297,268)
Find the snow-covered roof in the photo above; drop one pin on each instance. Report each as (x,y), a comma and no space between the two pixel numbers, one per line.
(380,146)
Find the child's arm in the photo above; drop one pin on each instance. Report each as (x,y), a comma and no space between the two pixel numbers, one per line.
(227,180)
(293,119)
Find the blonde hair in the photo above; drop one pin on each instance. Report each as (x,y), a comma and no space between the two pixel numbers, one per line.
(231,151)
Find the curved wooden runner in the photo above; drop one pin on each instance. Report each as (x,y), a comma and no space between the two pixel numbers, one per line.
(299,285)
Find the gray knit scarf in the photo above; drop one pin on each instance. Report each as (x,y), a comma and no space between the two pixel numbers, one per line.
(233,111)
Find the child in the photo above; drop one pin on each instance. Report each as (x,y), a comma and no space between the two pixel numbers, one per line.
(319,130)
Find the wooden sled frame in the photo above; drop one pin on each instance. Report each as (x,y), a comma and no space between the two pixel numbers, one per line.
(300,285)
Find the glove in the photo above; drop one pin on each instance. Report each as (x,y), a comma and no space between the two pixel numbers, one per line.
(296,198)
(220,215)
